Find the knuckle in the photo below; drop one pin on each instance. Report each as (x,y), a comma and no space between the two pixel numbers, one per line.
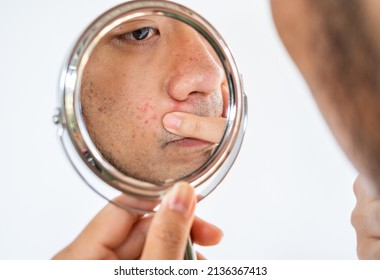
(366,218)
(355,217)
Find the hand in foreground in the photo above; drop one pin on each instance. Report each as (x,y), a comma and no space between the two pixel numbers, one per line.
(366,219)
(209,129)
(118,234)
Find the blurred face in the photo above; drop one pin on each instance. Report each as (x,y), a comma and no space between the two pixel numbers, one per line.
(336,45)
(140,71)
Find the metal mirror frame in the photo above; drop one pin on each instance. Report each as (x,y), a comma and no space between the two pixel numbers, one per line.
(77,143)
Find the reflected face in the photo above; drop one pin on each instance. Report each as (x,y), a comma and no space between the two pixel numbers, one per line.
(140,71)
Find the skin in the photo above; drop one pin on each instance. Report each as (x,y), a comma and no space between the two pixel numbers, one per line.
(118,234)
(337,50)
(129,85)
(189,125)
(209,129)
(127,88)
(366,219)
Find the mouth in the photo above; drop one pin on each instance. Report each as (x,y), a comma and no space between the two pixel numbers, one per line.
(191,144)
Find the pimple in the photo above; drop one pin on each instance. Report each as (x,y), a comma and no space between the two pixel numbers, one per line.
(144,107)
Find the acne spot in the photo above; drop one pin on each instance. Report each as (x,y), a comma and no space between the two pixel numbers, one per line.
(144,107)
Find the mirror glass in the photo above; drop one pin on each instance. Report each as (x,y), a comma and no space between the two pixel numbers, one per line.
(141,70)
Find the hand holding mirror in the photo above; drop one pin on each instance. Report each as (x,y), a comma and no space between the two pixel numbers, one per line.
(138,67)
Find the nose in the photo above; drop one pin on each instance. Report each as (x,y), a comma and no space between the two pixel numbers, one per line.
(195,68)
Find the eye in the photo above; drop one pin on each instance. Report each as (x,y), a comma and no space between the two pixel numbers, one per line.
(141,34)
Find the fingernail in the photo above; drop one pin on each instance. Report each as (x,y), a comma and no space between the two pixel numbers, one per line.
(181,199)
(172,121)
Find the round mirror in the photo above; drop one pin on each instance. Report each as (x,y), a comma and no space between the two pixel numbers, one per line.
(137,71)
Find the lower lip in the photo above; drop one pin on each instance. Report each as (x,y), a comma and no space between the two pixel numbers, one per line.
(191,142)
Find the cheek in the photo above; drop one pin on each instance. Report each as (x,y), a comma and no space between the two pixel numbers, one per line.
(147,114)
(123,94)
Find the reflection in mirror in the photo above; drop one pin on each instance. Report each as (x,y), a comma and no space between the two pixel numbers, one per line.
(140,71)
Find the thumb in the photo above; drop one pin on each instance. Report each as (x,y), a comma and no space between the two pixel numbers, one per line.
(171,225)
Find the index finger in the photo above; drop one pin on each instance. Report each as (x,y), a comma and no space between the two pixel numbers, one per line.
(209,129)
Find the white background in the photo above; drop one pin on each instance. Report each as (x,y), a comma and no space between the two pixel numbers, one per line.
(288,196)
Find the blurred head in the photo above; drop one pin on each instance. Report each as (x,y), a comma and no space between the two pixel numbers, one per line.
(336,46)
(139,72)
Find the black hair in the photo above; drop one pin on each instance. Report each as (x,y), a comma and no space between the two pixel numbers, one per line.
(348,70)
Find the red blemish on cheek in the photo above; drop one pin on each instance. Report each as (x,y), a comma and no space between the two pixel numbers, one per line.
(151,118)
(144,108)
(146,112)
